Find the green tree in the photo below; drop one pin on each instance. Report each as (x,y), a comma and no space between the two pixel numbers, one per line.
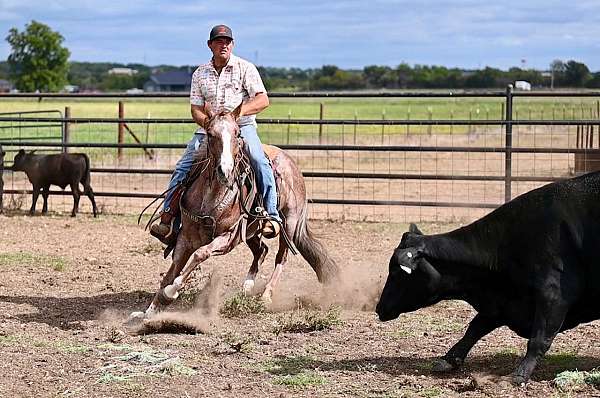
(576,74)
(38,60)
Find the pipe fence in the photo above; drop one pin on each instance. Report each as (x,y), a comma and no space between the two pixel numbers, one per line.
(409,170)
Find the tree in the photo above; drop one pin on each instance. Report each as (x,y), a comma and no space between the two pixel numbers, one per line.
(557,70)
(38,60)
(576,74)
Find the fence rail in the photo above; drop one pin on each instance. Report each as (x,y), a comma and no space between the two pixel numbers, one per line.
(504,146)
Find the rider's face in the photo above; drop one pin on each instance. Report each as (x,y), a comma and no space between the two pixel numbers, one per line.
(221,48)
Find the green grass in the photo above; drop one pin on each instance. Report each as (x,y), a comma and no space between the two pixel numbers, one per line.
(241,305)
(561,359)
(57,263)
(300,380)
(288,365)
(568,380)
(294,371)
(308,321)
(298,108)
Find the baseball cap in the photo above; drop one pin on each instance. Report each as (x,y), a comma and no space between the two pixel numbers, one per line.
(220,31)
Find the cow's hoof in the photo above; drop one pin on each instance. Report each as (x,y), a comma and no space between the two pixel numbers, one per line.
(518,380)
(441,365)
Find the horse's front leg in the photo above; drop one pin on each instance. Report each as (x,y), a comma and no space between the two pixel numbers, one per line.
(222,244)
(182,253)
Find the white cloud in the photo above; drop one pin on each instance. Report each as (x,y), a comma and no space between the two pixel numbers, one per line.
(350,33)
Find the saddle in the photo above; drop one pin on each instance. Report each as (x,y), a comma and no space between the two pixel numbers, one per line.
(246,193)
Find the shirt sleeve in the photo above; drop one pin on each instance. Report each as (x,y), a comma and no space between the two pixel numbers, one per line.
(196,97)
(252,81)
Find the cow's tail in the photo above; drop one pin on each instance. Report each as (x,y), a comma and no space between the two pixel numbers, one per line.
(313,251)
(85,178)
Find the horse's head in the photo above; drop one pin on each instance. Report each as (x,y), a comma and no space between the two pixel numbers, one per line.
(224,142)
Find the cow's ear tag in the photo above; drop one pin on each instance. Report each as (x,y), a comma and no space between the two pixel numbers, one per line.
(409,255)
(406,269)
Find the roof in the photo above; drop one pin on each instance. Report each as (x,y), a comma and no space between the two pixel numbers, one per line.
(174,77)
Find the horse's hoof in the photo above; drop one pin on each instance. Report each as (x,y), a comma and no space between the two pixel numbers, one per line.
(267,298)
(441,365)
(135,318)
(248,286)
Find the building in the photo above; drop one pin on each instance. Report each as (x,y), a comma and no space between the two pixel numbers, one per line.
(5,86)
(175,80)
(122,71)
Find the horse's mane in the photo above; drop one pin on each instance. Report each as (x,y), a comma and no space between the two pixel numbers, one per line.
(202,152)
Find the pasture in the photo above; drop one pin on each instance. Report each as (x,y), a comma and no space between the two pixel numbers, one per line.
(68,285)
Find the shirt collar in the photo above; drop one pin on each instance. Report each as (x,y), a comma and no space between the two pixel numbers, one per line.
(229,65)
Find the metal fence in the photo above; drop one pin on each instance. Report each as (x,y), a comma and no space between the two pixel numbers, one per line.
(381,170)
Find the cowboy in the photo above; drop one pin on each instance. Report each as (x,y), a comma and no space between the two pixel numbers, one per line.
(224,82)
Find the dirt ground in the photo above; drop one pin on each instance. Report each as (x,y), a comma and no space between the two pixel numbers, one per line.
(67,286)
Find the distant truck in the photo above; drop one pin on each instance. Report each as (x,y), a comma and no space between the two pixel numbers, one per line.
(522,85)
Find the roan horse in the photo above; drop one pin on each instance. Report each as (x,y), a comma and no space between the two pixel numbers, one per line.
(215,216)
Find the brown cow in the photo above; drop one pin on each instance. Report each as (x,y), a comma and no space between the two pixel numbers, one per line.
(62,170)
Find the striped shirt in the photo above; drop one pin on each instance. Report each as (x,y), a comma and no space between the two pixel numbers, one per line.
(239,81)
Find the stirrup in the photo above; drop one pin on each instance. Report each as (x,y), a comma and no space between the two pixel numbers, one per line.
(271,228)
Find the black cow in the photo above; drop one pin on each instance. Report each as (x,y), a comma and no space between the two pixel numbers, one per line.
(62,170)
(533,265)
(2,153)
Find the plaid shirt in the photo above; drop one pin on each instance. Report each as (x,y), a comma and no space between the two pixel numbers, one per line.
(239,80)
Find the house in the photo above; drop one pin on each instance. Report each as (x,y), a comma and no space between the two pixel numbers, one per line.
(122,71)
(5,86)
(175,80)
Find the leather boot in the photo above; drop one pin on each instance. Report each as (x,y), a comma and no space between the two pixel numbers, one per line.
(165,229)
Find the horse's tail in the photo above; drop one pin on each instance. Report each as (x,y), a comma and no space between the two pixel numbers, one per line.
(313,251)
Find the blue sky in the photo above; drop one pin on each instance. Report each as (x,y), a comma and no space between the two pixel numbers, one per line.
(309,33)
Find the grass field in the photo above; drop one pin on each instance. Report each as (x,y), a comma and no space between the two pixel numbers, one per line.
(298,108)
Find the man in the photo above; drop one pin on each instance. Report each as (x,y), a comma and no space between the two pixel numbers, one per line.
(224,82)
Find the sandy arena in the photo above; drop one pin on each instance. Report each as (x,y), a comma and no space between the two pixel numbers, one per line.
(68,285)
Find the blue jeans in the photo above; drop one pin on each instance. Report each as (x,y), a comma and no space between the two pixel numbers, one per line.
(258,160)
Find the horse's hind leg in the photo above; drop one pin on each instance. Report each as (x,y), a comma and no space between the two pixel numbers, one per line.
(280,260)
(259,250)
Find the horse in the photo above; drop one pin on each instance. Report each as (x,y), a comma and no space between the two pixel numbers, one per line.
(215,215)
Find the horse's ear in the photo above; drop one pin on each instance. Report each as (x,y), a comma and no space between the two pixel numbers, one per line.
(237,111)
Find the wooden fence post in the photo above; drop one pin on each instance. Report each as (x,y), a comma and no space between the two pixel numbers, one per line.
(121,130)
(65,132)
(321,112)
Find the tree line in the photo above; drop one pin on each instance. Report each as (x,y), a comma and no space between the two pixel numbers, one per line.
(39,61)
